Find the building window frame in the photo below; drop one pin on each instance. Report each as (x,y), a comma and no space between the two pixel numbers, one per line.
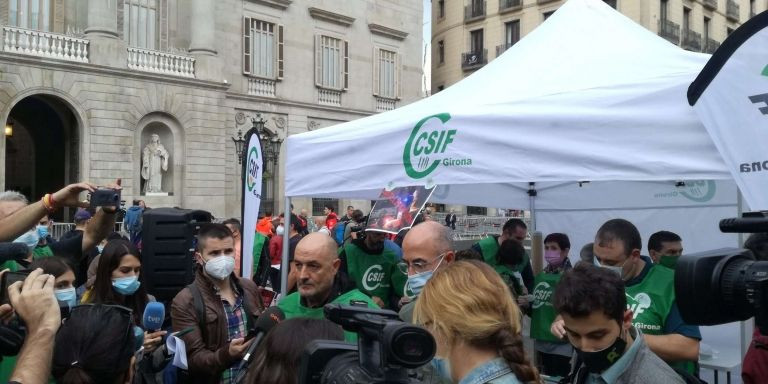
(387,73)
(441,52)
(263,49)
(331,62)
(136,30)
(31,14)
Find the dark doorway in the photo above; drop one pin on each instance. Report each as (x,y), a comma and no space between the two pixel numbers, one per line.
(42,153)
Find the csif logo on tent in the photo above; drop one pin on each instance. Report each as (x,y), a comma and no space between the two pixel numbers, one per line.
(424,150)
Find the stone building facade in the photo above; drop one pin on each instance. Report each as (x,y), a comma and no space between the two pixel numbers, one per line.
(84,84)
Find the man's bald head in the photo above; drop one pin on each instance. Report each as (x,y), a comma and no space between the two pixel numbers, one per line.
(318,244)
(432,234)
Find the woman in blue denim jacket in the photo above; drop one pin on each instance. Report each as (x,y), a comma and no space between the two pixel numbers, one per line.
(476,324)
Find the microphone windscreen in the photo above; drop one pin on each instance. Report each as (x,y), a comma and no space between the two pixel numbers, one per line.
(271,317)
(154,315)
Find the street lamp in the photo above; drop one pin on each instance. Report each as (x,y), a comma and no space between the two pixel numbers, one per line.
(239,143)
(270,149)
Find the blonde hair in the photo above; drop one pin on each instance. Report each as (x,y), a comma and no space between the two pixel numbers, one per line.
(468,301)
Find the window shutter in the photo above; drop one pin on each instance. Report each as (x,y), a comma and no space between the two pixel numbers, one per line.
(345,66)
(162,25)
(58,14)
(120,20)
(398,76)
(247,45)
(279,52)
(376,69)
(318,61)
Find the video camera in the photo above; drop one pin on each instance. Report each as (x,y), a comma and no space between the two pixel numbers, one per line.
(385,350)
(725,285)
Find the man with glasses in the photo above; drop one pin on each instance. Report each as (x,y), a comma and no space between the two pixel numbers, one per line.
(370,263)
(426,248)
(315,266)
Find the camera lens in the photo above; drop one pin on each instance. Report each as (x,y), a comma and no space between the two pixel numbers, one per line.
(409,346)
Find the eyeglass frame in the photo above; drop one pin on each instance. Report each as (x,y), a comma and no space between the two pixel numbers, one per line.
(404,264)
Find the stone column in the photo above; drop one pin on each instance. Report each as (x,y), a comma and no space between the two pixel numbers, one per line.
(203,40)
(105,47)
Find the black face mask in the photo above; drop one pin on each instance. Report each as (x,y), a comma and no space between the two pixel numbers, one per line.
(599,361)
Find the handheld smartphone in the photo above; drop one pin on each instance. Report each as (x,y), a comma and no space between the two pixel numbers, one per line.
(105,197)
(8,279)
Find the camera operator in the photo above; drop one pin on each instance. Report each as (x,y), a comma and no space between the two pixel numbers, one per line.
(650,296)
(18,217)
(754,369)
(316,266)
(35,303)
(218,307)
(356,220)
(371,264)
(609,348)
(514,229)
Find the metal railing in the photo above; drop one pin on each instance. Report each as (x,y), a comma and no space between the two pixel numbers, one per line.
(474,11)
(59,229)
(45,44)
(502,48)
(147,60)
(691,40)
(477,227)
(510,5)
(732,10)
(711,45)
(711,4)
(472,60)
(670,31)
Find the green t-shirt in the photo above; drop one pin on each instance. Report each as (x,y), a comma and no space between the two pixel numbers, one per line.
(490,247)
(291,307)
(375,275)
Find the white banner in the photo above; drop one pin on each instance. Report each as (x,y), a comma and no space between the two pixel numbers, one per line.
(252,173)
(730,96)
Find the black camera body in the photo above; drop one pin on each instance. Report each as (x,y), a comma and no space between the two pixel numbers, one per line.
(725,285)
(386,349)
(105,197)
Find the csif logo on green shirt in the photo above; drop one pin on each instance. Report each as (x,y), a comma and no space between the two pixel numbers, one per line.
(425,149)
(373,277)
(541,294)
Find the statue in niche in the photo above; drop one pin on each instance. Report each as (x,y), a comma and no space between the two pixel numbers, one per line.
(154,163)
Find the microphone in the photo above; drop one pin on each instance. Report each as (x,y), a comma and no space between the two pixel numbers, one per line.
(13,251)
(154,315)
(271,317)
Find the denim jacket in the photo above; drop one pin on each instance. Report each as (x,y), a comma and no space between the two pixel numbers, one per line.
(495,371)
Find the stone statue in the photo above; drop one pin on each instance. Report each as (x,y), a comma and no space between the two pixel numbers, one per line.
(154,163)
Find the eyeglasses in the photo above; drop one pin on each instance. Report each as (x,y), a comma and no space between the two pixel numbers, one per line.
(418,265)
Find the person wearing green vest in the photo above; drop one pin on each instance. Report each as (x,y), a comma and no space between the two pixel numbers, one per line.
(609,348)
(371,264)
(650,295)
(554,354)
(427,247)
(510,255)
(316,265)
(665,248)
(489,247)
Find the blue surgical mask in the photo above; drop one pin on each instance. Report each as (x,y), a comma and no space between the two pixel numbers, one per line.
(416,282)
(30,238)
(442,367)
(42,231)
(67,297)
(126,285)
(100,248)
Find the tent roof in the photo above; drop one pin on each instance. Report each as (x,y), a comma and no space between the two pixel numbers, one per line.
(588,95)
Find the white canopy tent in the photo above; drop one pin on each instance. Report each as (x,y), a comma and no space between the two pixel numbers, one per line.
(587,96)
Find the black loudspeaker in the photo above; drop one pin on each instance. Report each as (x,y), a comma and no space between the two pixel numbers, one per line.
(168,249)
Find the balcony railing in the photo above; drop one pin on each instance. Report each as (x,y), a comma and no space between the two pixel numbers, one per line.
(45,44)
(146,60)
(474,11)
(473,60)
(711,45)
(510,5)
(670,31)
(261,87)
(384,104)
(329,97)
(691,40)
(732,10)
(711,4)
(502,48)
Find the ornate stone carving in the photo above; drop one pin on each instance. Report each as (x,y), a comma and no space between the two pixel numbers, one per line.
(313,125)
(240,118)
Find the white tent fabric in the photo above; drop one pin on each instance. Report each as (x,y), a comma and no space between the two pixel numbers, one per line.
(588,95)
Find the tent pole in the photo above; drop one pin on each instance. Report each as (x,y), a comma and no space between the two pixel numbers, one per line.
(532,205)
(286,239)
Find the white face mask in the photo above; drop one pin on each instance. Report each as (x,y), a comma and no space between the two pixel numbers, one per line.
(280,230)
(220,267)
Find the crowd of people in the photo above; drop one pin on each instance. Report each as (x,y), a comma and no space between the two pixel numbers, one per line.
(80,313)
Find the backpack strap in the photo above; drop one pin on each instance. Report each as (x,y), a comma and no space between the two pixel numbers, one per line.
(197,298)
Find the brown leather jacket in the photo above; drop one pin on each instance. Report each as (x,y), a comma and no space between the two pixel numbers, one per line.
(207,359)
